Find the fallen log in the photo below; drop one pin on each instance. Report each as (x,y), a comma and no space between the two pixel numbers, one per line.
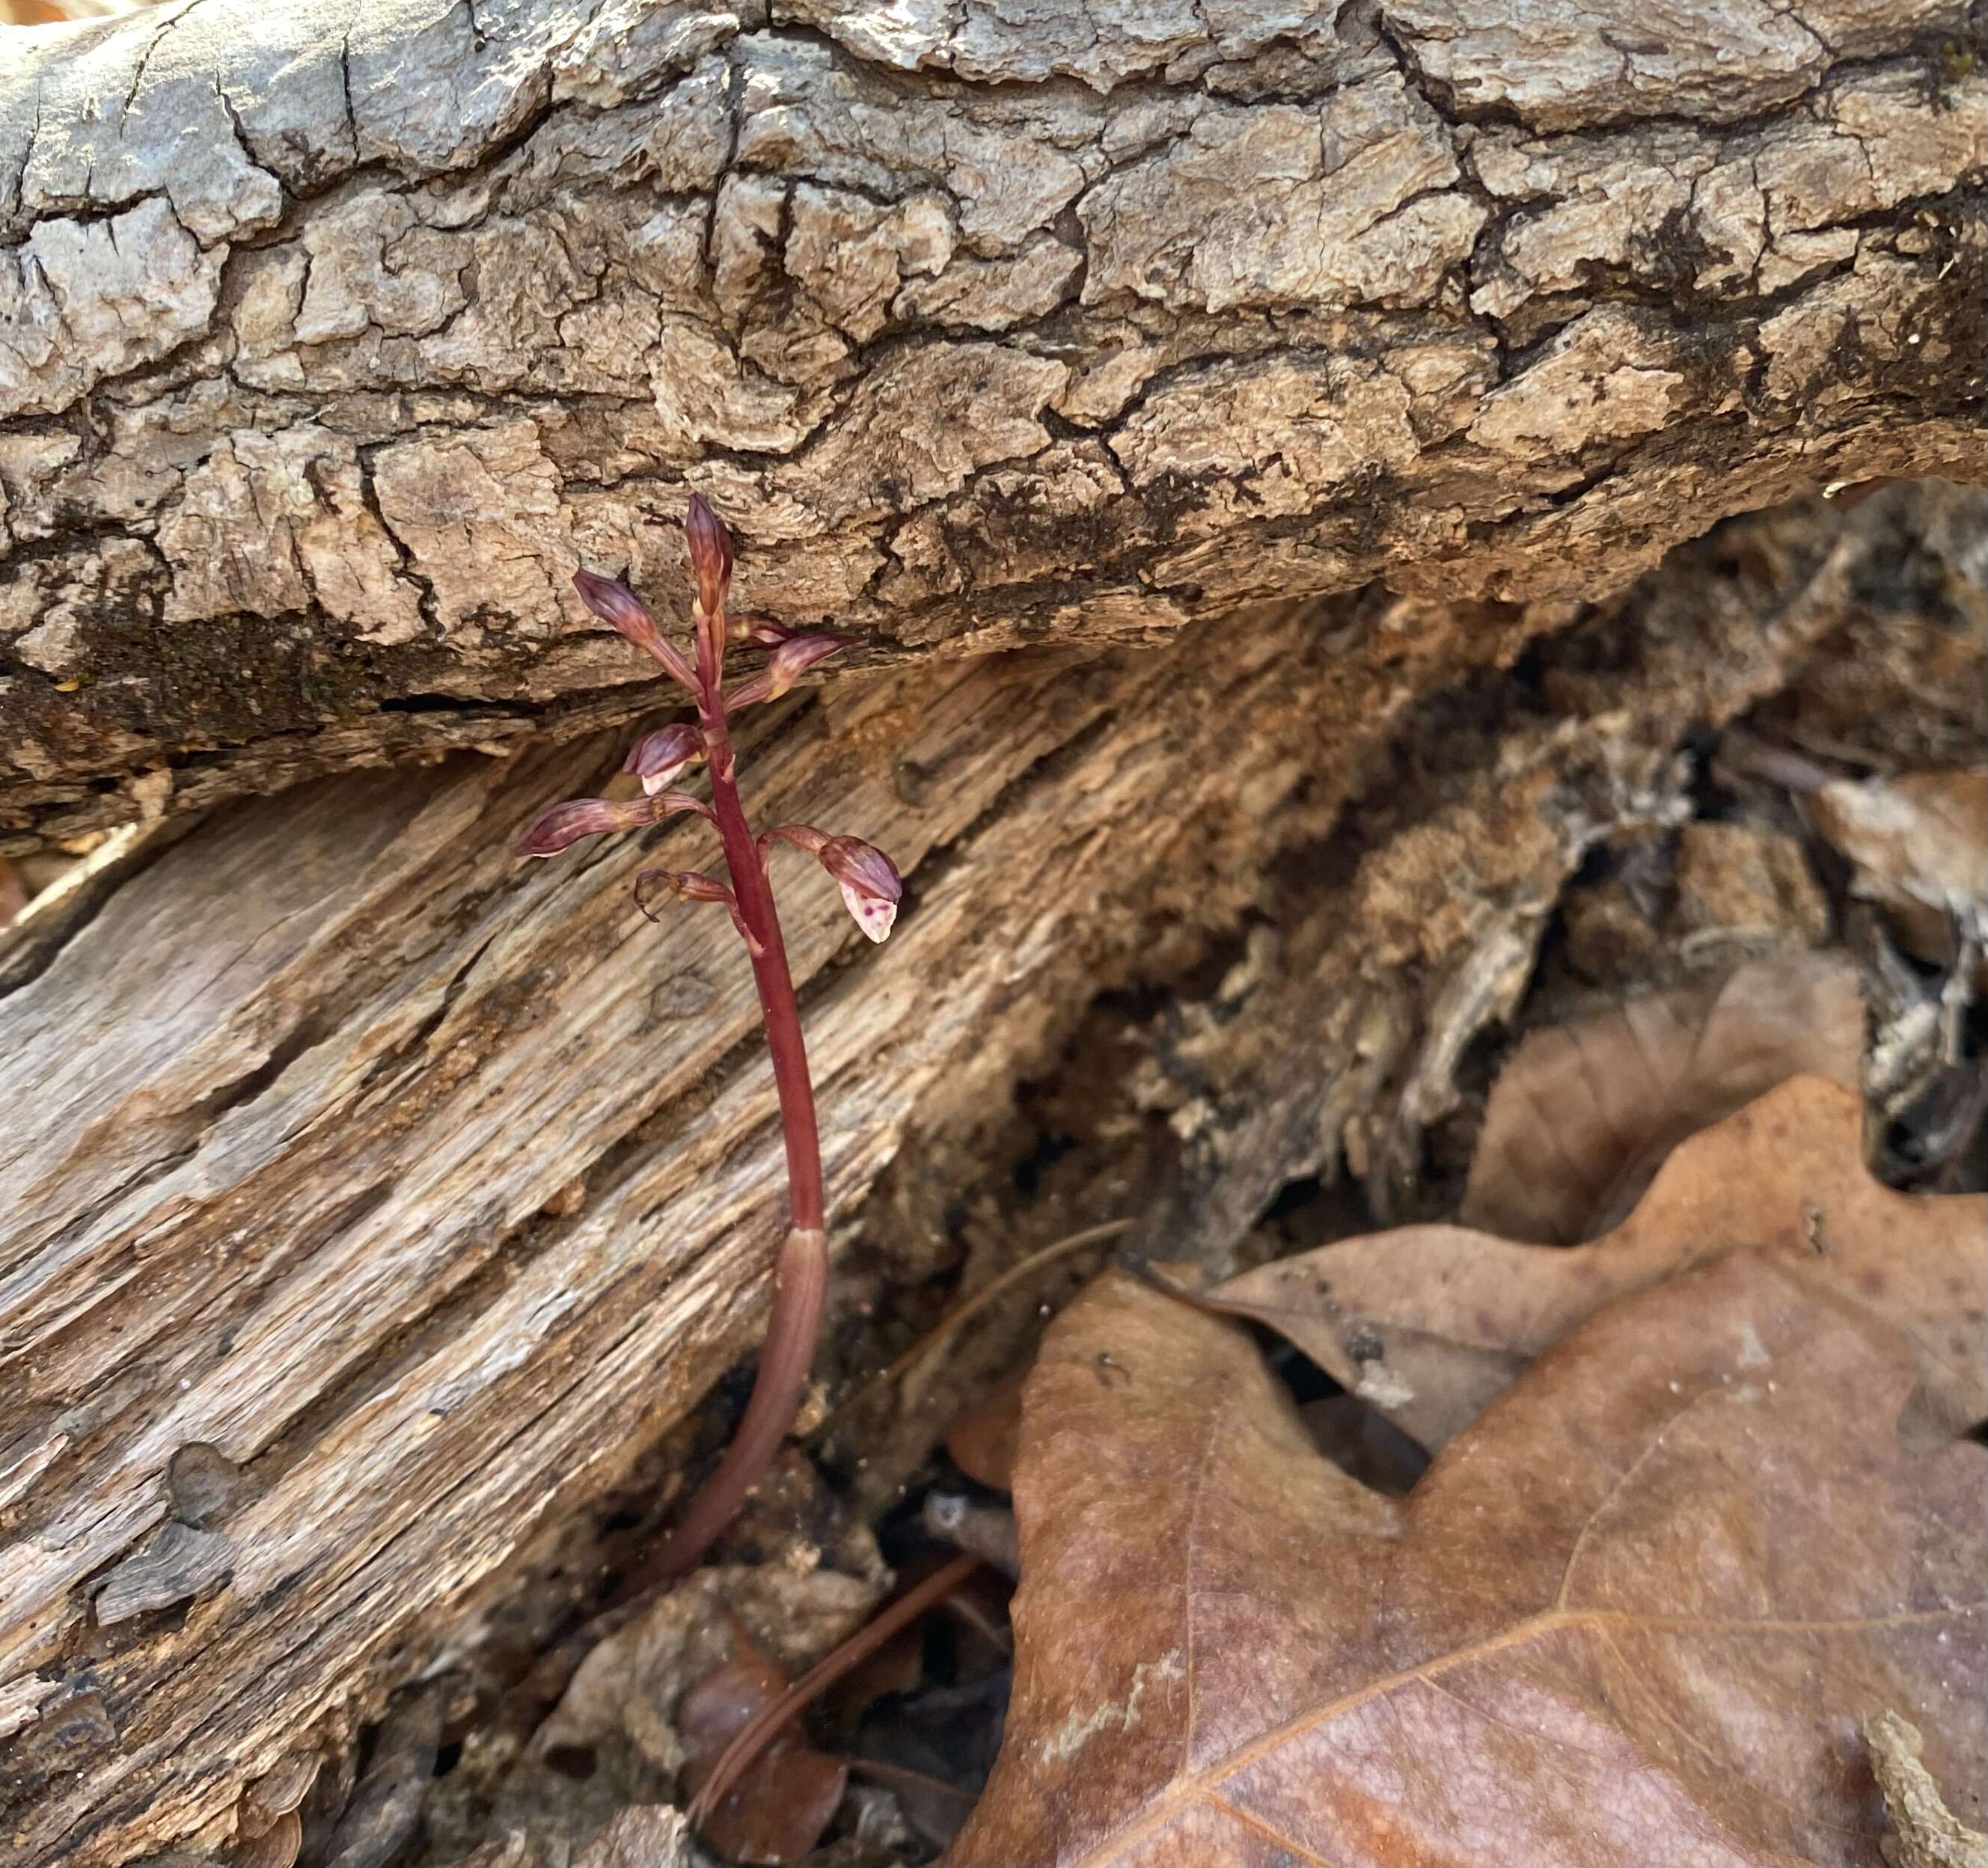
(331,340)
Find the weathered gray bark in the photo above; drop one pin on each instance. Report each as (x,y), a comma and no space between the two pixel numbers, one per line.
(426,1187)
(332,337)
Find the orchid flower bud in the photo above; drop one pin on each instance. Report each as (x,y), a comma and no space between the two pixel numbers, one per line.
(870,885)
(684,884)
(693,885)
(612,602)
(616,604)
(784,666)
(560,825)
(795,655)
(755,626)
(657,758)
(710,555)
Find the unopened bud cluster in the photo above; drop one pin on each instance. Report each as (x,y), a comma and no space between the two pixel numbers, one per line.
(868,880)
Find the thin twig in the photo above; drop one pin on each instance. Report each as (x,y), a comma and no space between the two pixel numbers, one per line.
(941,1331)
(752,1736)
(990,1628)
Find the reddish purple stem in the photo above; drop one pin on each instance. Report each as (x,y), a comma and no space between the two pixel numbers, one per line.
(770,973)
(800,1275)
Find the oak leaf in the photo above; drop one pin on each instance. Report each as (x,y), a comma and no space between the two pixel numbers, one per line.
(1582,1116)
(1633,1614)
(982,1440)
(1426,1323)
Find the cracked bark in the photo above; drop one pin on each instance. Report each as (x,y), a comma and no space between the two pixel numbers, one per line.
(415,1190)
(328,354)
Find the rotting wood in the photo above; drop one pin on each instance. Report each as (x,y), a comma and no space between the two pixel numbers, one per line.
(303,1107)
(174,1565)
(331,340)
(387,1802)
(1365,966)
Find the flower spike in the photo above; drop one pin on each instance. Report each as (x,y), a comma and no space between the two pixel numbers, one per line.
(658,758)
(616,604)
(873,891)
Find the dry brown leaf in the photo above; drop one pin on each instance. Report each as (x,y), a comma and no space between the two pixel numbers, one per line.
(1428,1323)
(1919,845)
(782,1801)
(982,1440)
(1583,1115)
(1632,1616)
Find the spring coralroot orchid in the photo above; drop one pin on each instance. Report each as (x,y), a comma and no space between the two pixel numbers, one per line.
(871,887)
